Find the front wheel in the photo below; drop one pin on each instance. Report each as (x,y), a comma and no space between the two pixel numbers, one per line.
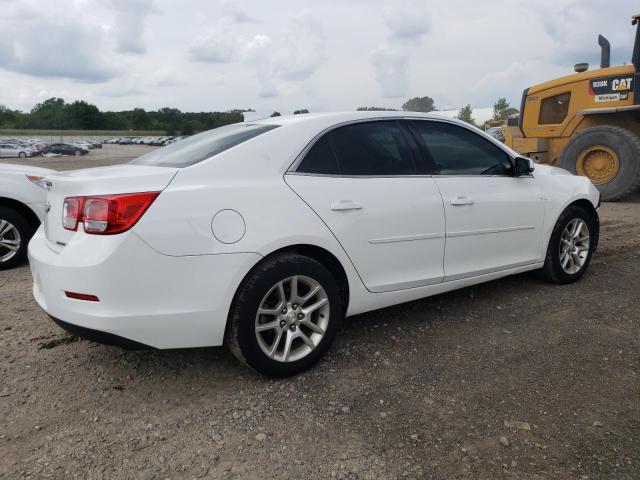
(570,247)
(285,315)
(22,155)
(609,156)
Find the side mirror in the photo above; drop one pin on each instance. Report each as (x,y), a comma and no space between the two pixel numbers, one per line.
(523,166)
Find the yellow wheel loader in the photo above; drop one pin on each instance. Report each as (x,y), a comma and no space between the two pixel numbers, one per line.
(587,123)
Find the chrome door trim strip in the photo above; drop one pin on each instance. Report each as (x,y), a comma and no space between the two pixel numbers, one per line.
(407,238)
(464,233)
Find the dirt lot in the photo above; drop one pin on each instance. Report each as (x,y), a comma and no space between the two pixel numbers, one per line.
(511,379)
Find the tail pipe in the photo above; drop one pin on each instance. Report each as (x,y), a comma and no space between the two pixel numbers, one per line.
(605,55)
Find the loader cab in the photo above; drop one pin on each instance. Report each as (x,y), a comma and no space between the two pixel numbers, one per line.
(554,113)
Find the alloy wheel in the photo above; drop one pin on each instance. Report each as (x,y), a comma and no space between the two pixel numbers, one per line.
(292,318)
(574,246)
(10,241)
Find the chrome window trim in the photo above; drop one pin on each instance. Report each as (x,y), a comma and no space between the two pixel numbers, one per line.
(293,168)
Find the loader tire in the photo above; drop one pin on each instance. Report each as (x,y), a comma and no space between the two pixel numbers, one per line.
(609,156)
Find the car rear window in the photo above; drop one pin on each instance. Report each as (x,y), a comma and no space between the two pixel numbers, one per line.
(202,146)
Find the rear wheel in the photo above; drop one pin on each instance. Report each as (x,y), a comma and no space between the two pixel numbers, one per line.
(285,315)
(609,156)
(570,247)
(15,233)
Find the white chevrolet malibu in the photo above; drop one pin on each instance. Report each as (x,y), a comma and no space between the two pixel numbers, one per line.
(265,235)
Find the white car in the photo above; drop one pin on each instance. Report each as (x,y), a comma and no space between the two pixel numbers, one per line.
(13,150)
(22,208)
(265,235)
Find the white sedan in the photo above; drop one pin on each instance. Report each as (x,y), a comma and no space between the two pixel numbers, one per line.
(265,235)
(22,208)
(13,150)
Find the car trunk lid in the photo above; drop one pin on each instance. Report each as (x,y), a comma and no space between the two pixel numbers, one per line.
(94,182)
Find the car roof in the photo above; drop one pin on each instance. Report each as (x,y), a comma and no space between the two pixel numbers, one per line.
(339,117)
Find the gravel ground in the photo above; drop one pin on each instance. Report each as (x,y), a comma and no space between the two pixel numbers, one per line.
(511,379)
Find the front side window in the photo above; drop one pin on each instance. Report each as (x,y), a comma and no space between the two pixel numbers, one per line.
(368,148)
(202,146)
(456,150)
(553,110)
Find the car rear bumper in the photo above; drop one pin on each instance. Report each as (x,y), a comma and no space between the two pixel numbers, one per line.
(145,298)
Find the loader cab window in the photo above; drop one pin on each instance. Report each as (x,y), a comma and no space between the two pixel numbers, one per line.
(553,110)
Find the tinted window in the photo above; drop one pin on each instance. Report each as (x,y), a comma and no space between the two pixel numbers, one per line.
(202,146)
(554,110)
(458,151)
(320,158)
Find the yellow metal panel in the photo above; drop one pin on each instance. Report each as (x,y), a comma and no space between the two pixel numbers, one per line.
(529,145)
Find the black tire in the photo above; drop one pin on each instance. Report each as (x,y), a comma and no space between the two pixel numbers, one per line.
(552,270)
(241,337)
(623,142)
(24,229)
(22,155)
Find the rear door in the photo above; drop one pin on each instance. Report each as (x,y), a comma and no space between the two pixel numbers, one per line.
(494,220)
(361,179)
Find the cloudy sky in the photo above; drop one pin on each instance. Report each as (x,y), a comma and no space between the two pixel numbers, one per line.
(204,55)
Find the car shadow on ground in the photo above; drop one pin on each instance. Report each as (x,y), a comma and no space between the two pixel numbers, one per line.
(366,331)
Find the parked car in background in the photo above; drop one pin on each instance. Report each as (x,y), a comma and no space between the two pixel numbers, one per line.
(265,235)
(64,149)
(13,150)
(84,145)
(22,208)
(496,132)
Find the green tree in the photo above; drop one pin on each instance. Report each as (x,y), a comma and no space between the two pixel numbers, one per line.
(298,112)
(82,116)
(48,114)
(139,119)
(500,109)
(466,115)
(419,104)
(276,114)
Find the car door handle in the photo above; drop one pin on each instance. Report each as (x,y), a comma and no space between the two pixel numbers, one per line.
(345,205)
(462,200)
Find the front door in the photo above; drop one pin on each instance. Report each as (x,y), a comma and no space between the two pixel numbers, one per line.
(494,220)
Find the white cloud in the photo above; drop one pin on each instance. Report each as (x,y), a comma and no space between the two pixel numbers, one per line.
(130,16)
(391,71)
(216,55)
(408,20)
(218,45)
(54,43)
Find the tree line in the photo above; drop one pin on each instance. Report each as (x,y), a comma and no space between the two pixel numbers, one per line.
(501,109)
(56,114)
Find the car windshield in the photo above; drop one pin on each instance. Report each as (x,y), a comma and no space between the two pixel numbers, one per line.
(202,146)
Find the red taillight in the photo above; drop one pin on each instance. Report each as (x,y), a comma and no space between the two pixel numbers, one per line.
(106,214)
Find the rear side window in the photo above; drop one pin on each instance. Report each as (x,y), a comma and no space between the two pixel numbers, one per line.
(320,159)
(456,150)
(371,148)
(202,146)
(553,110)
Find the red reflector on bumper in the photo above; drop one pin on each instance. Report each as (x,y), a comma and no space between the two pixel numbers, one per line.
(82,296)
